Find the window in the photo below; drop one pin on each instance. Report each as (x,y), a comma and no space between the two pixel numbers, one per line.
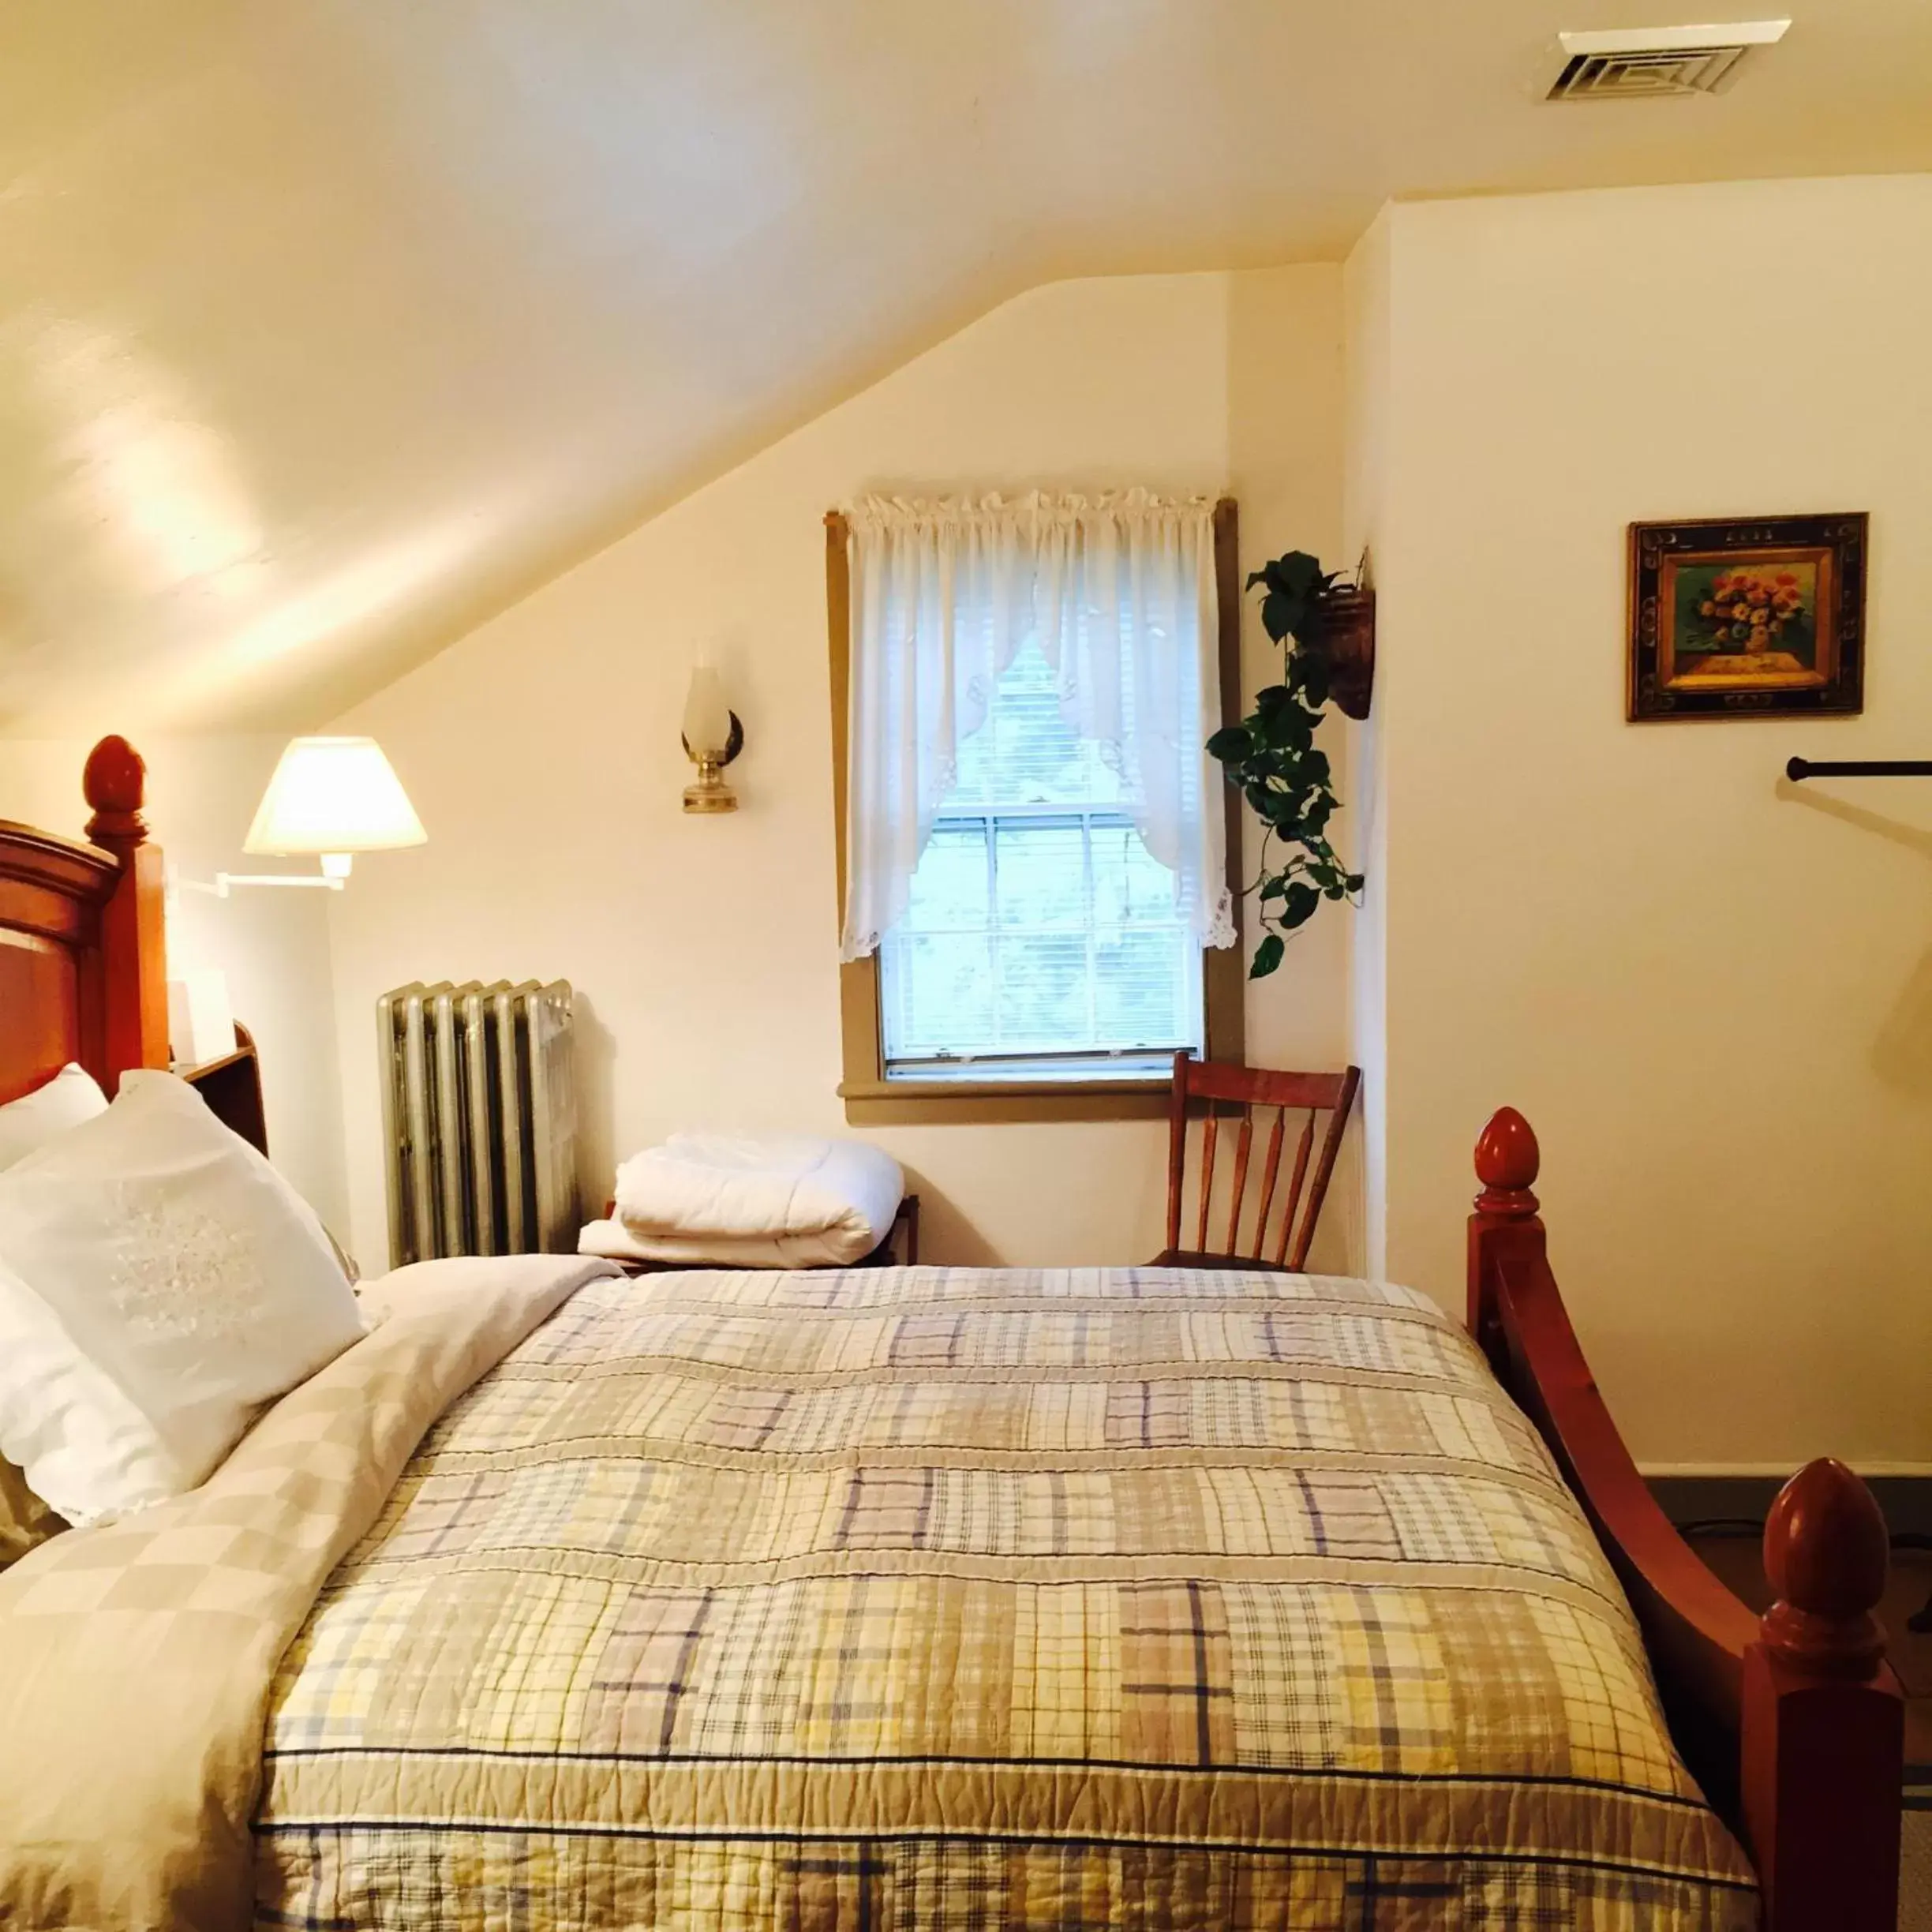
(1041,968)
(1041,940)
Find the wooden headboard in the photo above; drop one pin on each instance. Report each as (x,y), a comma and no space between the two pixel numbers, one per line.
(83,966)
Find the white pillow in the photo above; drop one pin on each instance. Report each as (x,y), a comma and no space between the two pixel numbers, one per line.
(28,1124)
(159,1281)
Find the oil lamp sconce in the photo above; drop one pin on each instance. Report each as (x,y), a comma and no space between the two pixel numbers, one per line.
(713,738)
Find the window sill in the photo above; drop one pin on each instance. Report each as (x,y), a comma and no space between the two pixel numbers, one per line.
(952,1102)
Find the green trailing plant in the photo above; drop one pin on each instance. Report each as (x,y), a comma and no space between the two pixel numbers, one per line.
(1271,756)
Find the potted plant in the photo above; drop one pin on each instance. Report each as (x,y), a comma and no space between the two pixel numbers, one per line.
(1271,756)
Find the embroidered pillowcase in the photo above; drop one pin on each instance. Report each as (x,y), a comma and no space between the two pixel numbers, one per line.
(27,1125)
(160,1283)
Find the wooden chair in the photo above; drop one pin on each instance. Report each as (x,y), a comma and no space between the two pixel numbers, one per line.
(1250,1088)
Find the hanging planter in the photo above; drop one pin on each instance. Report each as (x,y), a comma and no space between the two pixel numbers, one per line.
(1344,619)
(1271,753)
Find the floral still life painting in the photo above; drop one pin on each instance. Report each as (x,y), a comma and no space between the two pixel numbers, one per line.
(1730,617)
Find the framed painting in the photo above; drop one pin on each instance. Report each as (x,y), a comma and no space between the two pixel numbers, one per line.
(1747,617)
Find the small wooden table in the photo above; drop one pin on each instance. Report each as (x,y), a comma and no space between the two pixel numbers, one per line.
(232,1087)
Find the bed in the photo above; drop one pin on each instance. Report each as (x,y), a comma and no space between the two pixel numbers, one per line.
(926,1597)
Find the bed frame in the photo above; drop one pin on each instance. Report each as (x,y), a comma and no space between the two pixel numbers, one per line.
(1792,1722)
(83,962)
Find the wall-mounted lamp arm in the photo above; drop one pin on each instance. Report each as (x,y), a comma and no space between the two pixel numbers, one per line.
(332,877)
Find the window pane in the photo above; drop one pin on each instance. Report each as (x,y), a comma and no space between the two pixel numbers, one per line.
(1129,884)
(1045,977)
(938,995)
(1042,992)
(949,889)
(1041,868)
(1139,978)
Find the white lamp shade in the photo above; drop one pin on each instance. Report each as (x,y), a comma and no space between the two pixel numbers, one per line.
(334,794)
(707,718)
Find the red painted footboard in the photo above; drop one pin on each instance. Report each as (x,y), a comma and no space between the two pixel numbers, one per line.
(1792,1722)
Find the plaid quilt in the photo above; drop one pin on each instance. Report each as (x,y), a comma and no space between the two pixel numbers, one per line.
(965,1599)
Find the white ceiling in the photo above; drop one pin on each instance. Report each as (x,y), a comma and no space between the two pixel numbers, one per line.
(328,327)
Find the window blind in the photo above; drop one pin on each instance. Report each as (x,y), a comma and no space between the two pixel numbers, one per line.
(1039,930)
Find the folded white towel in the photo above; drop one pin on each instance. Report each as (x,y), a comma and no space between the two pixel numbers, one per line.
(715,1195)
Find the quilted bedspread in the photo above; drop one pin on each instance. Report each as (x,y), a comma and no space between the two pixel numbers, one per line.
(962,1599)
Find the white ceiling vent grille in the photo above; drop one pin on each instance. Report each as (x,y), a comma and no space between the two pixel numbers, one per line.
(1657,60)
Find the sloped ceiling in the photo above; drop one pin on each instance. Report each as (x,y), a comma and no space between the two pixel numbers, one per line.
(328,327)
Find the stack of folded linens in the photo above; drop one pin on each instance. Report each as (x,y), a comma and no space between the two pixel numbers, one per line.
(746,1200)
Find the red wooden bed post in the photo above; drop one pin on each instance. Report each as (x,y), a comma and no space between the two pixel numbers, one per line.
(1823,1741)
(130,998)
(1798,1723)
(1505,1222)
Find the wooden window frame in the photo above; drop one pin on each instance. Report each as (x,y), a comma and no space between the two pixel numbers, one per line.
(871,1099)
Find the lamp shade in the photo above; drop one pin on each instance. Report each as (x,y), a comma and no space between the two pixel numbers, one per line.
(707,719)
(334,794)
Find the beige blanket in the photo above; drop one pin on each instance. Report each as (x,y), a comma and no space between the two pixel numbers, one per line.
(135,1660)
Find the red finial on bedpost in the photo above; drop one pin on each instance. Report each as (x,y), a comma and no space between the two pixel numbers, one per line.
(1505,1220)
(115,782)
(1507,1161)
(133,1024)
(1825,1554)
(1822,1743)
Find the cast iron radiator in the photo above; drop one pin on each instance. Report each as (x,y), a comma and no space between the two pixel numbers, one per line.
(480,1119)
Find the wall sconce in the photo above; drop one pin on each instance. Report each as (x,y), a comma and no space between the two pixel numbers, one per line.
(332,797)
(713,738)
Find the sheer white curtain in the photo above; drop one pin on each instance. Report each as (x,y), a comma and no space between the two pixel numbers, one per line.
(1119,590)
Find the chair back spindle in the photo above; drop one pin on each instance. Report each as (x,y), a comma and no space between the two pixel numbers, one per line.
(1295,1189)
(1242,1143)
(1270,1177)
(1209,1129)
(1211,1090)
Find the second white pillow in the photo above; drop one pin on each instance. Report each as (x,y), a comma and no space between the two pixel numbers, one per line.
(28,1124)
(159,1281)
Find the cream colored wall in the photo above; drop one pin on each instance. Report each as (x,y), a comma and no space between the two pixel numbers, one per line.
(1286,441)
(273,945)
(1713,996)
(542,753)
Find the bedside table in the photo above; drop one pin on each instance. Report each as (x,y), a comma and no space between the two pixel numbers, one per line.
(232,1087)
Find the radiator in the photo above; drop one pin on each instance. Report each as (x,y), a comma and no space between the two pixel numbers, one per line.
(480,1119)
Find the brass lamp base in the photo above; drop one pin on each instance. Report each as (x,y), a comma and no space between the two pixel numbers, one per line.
(711,793)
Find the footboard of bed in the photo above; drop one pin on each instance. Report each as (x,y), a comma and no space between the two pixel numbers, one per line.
(1793,1722)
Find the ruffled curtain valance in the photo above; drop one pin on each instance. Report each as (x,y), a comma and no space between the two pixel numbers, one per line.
(1119,590)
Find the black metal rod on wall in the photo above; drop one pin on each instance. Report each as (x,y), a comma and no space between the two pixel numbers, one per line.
(1857,768)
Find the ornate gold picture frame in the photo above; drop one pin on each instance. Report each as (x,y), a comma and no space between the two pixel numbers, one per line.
(1747,617)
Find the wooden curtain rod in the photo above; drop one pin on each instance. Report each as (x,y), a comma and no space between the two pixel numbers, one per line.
(835,520)
(1799,768)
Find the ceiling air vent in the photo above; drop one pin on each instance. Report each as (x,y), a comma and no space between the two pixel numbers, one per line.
(1633,61)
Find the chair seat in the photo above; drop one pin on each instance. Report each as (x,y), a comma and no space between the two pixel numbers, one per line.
(1187,1258)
